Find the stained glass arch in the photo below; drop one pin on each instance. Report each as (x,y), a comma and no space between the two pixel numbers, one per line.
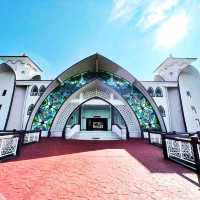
(95,89)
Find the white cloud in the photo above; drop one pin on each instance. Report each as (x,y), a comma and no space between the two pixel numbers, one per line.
(151,11)
(173,30)
(168,17)
(156,11)
(123,9)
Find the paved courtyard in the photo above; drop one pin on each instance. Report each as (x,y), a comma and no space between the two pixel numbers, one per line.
(95,170)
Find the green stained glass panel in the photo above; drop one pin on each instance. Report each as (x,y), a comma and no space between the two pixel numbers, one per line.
(138,102)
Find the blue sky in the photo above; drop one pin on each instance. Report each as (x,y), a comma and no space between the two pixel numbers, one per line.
(137,34)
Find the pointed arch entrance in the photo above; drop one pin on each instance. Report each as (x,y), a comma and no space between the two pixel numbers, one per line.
(95,67)
(95,119)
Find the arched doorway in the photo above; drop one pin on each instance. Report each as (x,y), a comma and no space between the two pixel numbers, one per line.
(95,119)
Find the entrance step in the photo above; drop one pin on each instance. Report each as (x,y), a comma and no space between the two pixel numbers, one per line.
(96,135)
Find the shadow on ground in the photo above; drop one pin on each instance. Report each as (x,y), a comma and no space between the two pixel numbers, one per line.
(149,156)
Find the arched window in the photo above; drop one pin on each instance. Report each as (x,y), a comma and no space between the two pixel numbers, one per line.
(151,91)
(194,109)
(158,92)
(162,111)
(30,109)
(188,94)
(41,90)
(34,91)
(198,122)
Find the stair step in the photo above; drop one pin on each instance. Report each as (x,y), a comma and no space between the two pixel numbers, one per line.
(96,135)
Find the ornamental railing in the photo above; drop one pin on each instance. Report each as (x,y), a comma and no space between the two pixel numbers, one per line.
(182,148)
(31,137)
(9,144)
(12,141)
(155,137)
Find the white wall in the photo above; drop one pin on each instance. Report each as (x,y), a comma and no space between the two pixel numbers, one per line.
(189,80)
(7,82)
(176,122)
(162,101)
(16,114)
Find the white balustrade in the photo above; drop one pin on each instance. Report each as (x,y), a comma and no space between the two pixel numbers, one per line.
(155,138)
(8,145)
(180,149)
(70,131)
(145,134)
(31,137)
(120,131)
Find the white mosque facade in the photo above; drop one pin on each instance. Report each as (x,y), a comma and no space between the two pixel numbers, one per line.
(98,99)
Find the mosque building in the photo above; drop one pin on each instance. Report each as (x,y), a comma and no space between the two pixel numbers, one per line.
(98,99)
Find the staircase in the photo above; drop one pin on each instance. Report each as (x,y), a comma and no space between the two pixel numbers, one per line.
(95,135)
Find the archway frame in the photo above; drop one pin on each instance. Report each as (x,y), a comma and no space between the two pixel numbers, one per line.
(96,89)
(79,106)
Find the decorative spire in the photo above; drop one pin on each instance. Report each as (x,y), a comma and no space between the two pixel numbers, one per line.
(97,63)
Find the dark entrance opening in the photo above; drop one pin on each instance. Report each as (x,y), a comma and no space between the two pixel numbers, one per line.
(97,124)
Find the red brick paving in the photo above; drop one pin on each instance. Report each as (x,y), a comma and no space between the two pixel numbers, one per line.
(95,170)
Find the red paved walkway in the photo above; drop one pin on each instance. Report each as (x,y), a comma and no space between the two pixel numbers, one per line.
(94,170)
